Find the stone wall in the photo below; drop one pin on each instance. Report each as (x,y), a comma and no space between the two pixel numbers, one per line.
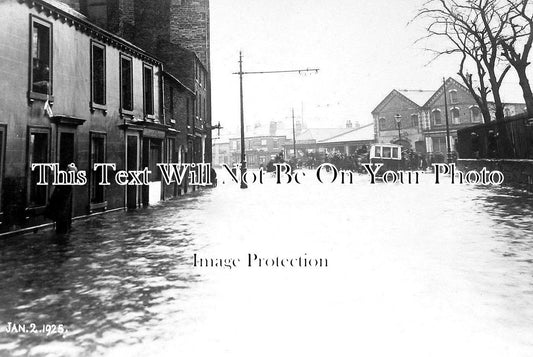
(517,173)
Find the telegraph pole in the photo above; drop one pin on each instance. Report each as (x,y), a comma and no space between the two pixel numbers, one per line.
(241,73)
(293,135)
(449,153)
(243,155)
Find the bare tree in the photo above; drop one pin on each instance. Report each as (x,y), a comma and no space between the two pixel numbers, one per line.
(516,43)
(472,29)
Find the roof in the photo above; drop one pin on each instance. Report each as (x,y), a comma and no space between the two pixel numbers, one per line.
(364,133)
(418,96)
(320,134)
(415,97)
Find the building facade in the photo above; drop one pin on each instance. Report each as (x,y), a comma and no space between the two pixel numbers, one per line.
(76,93)
(259,150)
(176,32)
(416,119)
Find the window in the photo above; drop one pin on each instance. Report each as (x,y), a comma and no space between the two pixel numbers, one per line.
(456,116)
(395,153)
(414,120)
(453,96)
(37,154)
(436,117)
(381,123)
(475,115)
(148,86)
(387,152)
(98,90)
(263,142)
(188,112)
(507,112)
(126,84)
(439,144)
(41,57)
(275,144)
(2,153)
(98,156)
(171,107)
(377,153)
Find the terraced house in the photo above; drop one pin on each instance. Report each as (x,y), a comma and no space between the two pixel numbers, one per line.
(74,92)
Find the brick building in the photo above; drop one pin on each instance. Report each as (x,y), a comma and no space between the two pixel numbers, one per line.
(463,112)
(258,149)
(423,117)
(409,105)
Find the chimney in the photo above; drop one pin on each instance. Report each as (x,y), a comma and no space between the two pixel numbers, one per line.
(273,128)
(348,123)
(356,125)
(298,127)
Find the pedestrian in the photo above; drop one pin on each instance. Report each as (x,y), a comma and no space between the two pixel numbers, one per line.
(59,208)
(213,177)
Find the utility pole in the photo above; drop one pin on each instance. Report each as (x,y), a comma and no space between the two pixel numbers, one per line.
(449,153)
(243,155)
(293,135)
(241,73)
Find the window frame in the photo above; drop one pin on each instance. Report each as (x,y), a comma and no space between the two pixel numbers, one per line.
(95,105)
(151,115)
(453,96)
(32,95)
(472,114)
(380,126)
(415,120)
(433,116)
(123,110)
(454,121)
(36,130)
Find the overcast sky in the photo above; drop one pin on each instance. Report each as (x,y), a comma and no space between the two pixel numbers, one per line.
(364,49)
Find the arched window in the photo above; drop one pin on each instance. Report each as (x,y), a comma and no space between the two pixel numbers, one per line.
(453,96)
(475,114)
(381,123)
(414,120)
(436,117)
(456,115)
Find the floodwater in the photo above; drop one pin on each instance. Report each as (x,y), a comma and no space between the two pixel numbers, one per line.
(412,270)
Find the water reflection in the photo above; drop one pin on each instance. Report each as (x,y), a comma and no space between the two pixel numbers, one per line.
(106,281)
(410,264)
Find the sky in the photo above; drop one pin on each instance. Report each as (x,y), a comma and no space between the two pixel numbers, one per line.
(363,49)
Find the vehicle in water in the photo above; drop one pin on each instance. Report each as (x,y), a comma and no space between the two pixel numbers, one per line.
(390,155)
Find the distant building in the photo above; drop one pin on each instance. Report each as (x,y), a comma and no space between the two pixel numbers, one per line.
(319,141)
(463,112)
(259,150)
(221,153)
(422,115)
(409,105)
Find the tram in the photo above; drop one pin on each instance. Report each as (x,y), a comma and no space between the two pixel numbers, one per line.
(390,155)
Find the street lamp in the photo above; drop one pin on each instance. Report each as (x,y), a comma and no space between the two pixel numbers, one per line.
(398,119)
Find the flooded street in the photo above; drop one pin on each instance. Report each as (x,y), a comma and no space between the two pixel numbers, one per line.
(413,270)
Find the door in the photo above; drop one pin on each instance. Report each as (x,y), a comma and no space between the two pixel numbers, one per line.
(132,164)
